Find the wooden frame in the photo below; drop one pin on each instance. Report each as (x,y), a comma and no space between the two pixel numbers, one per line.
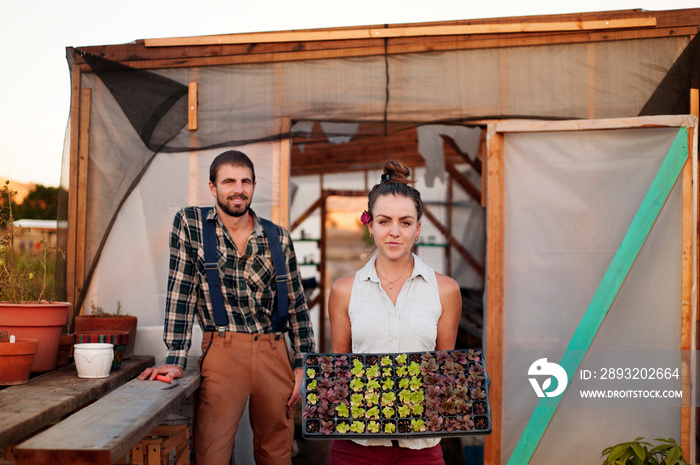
(396,39)
(495,260)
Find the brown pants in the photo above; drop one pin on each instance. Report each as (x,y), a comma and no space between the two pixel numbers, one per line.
(238,367)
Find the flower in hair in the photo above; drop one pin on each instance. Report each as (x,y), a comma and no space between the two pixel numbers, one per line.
(365,218)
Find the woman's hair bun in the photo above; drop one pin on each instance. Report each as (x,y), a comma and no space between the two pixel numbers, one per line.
(397,172)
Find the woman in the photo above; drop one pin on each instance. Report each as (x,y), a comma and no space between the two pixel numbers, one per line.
(395,303)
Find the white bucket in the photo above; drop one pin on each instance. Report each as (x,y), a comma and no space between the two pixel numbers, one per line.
(93,360)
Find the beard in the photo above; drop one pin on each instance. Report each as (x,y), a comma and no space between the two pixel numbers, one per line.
(237,211)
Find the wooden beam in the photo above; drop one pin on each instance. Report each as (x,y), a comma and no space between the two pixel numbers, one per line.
(393,32)
(284,173)
(670,23)
(494,291)
(478,267)
(83,169)
(73,189)
(322,273)
(307,213)
(686,307)
(139,57)
(192,106)
(475,162)
(463,181)
(690,421)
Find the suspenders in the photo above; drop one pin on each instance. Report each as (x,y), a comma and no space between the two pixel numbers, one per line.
(279,313)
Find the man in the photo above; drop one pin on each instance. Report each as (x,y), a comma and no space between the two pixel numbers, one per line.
(245,359)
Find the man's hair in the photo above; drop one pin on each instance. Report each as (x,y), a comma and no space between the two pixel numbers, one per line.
(230,157)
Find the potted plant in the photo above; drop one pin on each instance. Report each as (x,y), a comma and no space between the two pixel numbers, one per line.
(16,357)
(28,308)
(100,320)
(639,452)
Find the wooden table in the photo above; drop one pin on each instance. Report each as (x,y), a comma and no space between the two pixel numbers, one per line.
(27,408)
(105,430)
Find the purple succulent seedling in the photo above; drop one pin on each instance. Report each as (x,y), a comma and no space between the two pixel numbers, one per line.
(326,410)
(443,356)
(327,427)
(449,406)
(429,366)
(460,357)
(475,379)
(450,368)
(474,355)
(434,422)
(478,393)
(431,379)
(465,423)
(310,411)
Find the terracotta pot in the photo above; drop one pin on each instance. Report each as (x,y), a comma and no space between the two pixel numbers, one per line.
(16,360)
(116,338)
(43,321)
(128,323)
(65,349)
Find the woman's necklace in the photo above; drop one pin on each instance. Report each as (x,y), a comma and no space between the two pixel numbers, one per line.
(390,284)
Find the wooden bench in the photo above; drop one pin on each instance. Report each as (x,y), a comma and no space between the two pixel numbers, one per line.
(27,408)
(104,431)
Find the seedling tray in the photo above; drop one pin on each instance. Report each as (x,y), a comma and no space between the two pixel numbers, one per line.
(395,395)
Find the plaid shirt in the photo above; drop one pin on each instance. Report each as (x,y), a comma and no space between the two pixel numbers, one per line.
(248,286)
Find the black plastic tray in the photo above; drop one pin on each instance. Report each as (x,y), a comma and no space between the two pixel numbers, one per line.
(424,392)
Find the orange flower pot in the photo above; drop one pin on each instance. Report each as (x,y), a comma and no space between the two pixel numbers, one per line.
(16,360)
(41,320)
(128,323)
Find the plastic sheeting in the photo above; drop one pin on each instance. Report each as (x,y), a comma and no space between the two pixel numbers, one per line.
(569,198)
(242,104)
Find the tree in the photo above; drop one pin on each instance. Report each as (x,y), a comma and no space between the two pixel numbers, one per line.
(40,204)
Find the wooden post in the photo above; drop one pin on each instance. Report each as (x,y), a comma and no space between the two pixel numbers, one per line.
(83,166)
(494,291)
(284,173)
(192,106)
(73,188)
(692,447)
(322,275)
(448,216)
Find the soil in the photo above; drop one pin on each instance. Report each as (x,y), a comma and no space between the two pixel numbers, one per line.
(403,426)
(313,426)
(481,423)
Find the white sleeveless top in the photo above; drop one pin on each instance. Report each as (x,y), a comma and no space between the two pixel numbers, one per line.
(379,326)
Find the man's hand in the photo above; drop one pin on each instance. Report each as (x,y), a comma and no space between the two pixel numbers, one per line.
(172,371)
(298,378)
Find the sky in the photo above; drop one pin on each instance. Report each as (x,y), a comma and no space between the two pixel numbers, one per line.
(34,35)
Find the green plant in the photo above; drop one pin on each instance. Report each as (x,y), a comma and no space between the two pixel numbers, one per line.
(640,452)
(23,276)
(100,313)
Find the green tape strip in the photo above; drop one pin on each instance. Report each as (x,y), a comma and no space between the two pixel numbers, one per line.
(608,289)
